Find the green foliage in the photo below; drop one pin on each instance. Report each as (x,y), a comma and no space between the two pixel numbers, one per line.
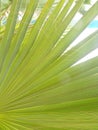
(4,4)
(40,89)
(87,1)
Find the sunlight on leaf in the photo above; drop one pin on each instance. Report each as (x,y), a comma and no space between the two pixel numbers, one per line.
(43,84)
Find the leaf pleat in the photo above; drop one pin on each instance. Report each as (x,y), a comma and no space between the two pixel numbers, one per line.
(42,84)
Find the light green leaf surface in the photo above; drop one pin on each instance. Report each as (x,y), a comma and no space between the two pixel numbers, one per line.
(40,87)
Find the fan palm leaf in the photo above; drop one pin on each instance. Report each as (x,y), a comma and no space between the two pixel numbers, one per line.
(41,87)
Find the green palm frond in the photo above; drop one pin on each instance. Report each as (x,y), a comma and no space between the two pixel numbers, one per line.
(40,87)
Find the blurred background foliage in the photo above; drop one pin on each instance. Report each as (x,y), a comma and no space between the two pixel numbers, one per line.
(6,3)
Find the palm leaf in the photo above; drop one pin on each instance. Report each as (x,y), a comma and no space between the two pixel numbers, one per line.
(41,87)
